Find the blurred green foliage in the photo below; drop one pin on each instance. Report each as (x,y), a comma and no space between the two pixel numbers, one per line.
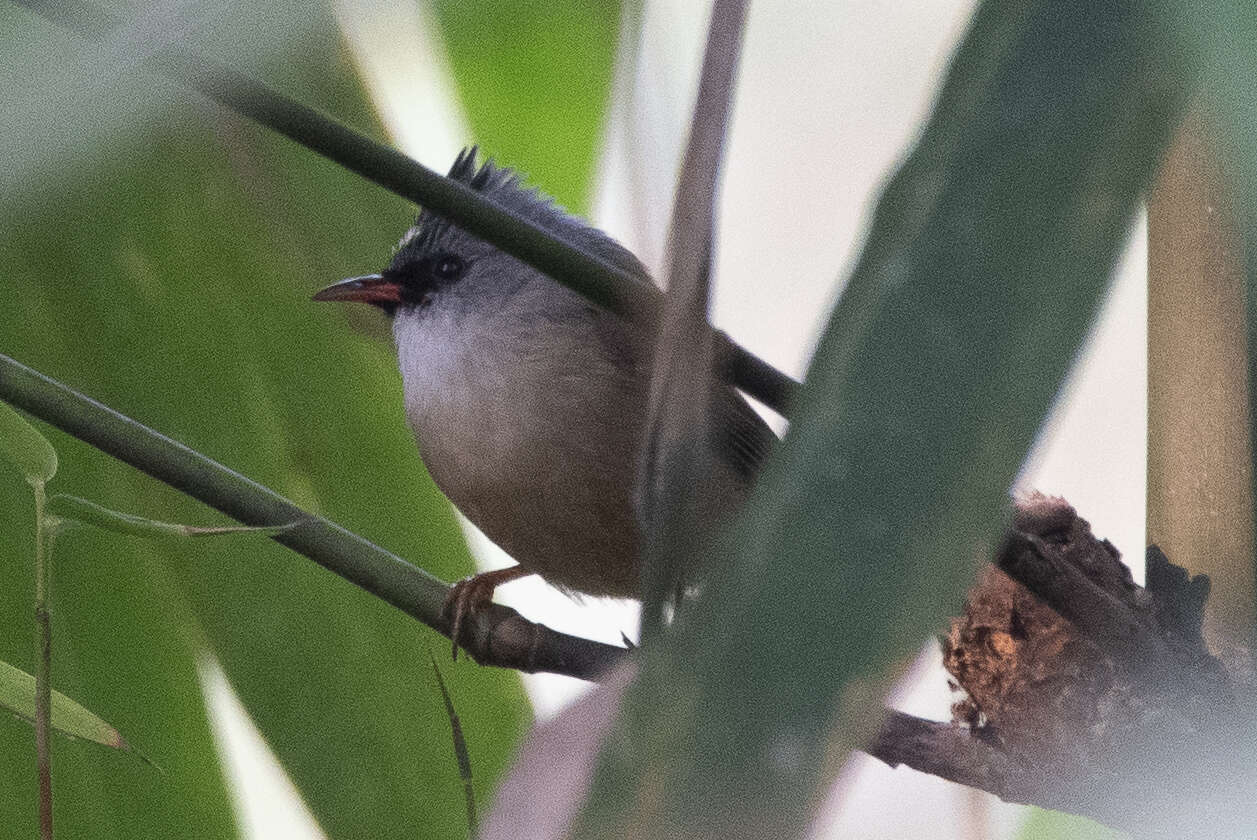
(166,271)
(25,448)
(1053,825)
(534,77)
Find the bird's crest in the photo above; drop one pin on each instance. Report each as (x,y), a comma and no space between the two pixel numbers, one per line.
(505,188)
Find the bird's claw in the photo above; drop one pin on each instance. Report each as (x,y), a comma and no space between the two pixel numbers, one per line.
(472,594)
(466,597)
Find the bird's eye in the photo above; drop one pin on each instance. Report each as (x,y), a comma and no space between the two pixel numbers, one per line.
(447,267)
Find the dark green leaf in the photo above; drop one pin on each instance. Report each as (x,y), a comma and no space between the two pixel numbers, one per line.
(989,253)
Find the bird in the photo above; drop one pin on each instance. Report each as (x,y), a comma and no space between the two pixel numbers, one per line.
(529,403)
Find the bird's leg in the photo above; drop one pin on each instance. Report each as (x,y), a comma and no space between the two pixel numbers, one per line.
(472,593)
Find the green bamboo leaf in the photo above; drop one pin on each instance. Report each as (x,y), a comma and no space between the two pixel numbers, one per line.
(25,447)
(76,509)
(988,255)
(17,694)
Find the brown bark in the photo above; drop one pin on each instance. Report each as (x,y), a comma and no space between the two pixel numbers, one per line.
(1087,693)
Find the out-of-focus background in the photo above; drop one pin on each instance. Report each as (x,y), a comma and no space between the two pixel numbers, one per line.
(158,253)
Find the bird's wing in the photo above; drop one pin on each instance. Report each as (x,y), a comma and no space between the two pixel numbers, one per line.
(742,437)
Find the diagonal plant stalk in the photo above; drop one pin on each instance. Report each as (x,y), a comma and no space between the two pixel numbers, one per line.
(584,273)
(494,636)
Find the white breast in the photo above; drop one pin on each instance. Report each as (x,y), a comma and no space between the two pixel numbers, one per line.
(533,435)
(456,397)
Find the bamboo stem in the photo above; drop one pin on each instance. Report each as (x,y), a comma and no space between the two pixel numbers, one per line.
(1200,500)
(43,667)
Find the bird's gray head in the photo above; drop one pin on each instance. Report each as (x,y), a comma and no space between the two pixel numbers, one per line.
(440,265)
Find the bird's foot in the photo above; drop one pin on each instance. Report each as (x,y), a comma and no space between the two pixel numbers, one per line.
(474,593)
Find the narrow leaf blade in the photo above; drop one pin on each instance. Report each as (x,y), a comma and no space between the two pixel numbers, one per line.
(461,753)
(87,512)
(17,694)
(673,475)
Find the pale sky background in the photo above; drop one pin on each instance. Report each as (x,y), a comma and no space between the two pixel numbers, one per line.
(830,96)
